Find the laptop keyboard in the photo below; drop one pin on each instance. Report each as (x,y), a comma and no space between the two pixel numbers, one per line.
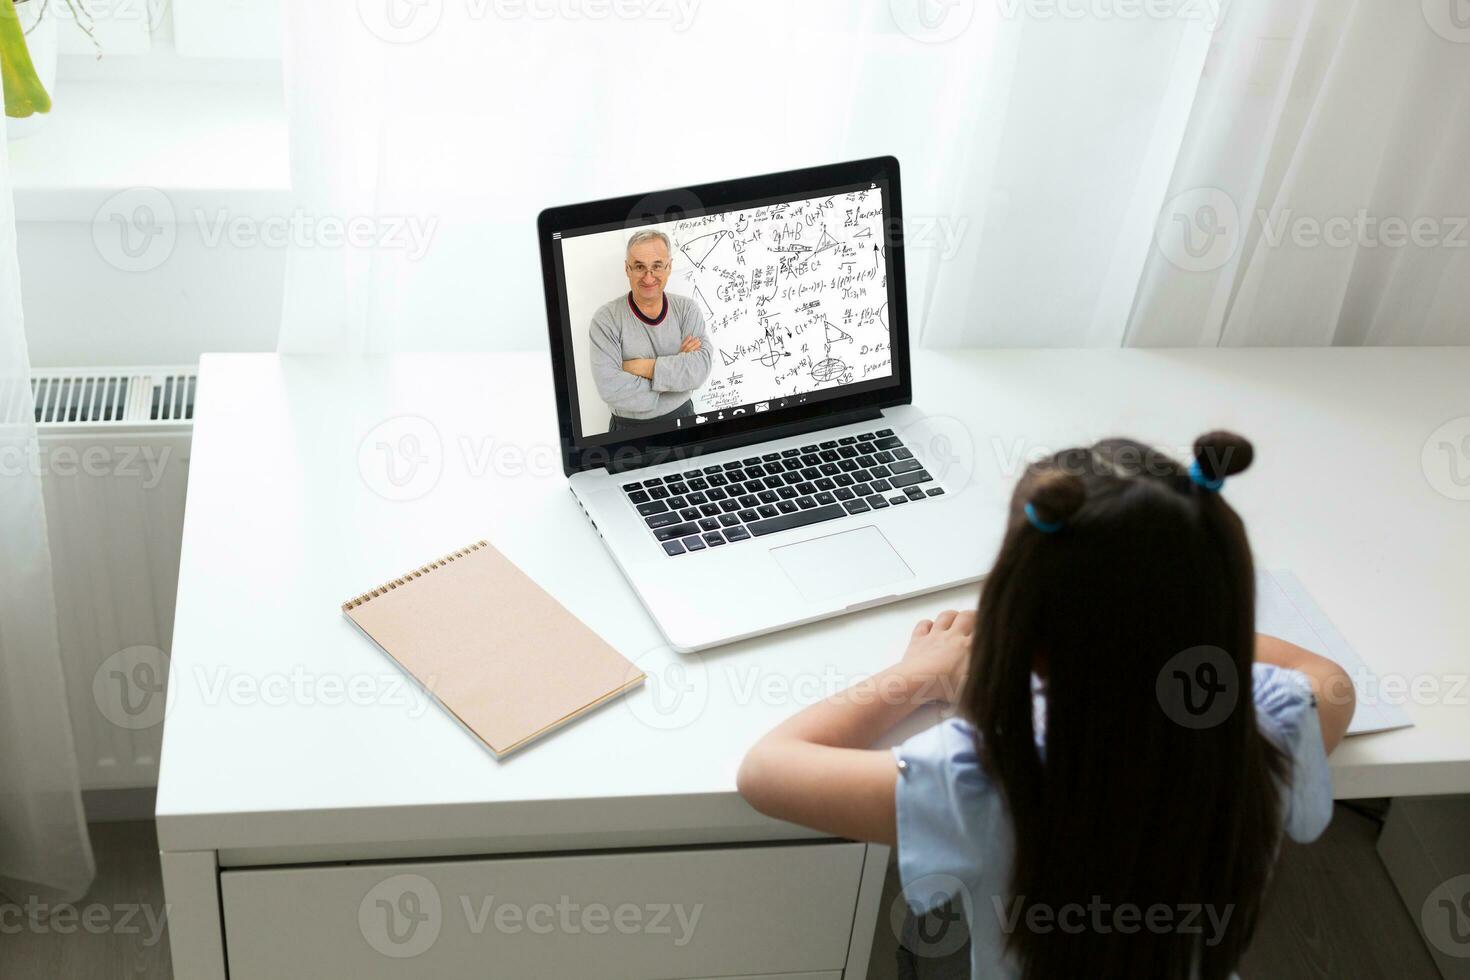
(712,506)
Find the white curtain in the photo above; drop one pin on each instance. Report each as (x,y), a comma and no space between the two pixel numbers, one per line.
(1055,156)
(45,852)
(1325,165)
(1261,172)
(442,128)
(1059,169)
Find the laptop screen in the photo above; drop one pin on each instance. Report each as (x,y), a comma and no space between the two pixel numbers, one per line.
(724,317)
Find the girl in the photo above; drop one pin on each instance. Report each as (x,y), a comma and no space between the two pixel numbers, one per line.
(1127,751)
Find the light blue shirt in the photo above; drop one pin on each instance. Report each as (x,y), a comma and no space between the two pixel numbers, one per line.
(954,833)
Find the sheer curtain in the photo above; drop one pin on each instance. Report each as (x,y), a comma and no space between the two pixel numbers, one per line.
(1324,164)
(441,129)
(1058,165)
(1063,162)
(45,853)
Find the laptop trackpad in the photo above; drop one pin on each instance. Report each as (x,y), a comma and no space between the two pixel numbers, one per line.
(842,564)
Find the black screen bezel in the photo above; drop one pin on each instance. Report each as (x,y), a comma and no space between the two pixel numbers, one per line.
(634,210)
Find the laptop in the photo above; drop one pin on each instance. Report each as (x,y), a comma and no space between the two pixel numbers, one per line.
(735,402)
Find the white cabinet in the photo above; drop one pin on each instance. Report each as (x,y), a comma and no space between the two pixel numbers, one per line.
(644,915)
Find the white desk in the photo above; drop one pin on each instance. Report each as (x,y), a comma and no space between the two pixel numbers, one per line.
(290,740)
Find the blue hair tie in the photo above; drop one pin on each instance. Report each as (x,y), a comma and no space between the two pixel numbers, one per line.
(1198,476)
(1045,527)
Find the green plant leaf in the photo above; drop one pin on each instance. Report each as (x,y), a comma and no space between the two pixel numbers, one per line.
(24,93)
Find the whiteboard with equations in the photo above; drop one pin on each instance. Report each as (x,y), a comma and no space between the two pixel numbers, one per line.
(794,296)
(1285,610)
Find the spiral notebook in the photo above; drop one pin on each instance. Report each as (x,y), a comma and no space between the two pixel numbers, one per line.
(493,647)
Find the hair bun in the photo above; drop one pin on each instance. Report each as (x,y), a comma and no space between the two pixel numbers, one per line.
(1057,495)
(1221,454)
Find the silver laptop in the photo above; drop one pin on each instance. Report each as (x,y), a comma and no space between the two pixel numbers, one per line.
(734,394)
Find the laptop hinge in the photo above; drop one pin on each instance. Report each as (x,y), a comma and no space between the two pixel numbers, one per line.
(622,463)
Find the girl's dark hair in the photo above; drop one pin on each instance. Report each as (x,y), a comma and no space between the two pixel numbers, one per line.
(1126,804)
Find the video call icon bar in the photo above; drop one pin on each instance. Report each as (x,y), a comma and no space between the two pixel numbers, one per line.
(725,414)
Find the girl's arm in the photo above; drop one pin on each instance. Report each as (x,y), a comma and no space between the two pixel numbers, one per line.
(1336,698)
(816,768)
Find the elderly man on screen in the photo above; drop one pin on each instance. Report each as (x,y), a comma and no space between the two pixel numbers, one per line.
(649,348)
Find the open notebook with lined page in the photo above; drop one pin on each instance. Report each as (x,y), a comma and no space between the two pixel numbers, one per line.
(1284,609)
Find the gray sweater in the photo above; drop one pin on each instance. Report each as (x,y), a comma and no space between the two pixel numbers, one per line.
(619,334)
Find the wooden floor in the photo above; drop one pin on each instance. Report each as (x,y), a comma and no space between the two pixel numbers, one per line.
(1332,912)
(130,888)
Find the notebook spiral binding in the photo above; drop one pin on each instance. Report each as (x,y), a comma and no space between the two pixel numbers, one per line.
(419,572)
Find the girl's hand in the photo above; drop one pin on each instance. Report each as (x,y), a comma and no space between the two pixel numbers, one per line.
(939,653)
(817,769)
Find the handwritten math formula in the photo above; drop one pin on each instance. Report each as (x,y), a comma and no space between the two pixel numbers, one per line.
(794,295)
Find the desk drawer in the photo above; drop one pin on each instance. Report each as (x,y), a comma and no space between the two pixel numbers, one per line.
(646,915)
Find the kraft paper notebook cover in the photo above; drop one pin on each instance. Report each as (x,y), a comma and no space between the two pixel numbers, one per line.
(503,656)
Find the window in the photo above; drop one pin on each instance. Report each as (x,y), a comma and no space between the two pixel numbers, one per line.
(192,29)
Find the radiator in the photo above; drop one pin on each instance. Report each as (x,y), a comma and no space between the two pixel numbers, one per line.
(114,460)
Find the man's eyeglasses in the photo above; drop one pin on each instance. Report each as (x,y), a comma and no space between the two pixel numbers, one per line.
(659,269)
